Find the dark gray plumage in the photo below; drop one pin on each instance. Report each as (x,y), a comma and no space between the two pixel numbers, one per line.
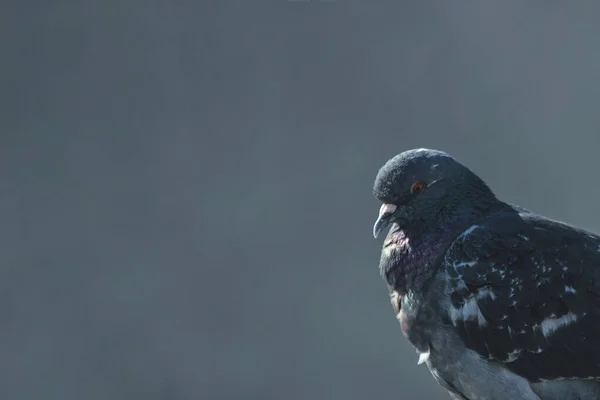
(500,303)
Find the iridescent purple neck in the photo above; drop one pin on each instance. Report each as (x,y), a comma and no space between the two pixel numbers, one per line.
(410,258)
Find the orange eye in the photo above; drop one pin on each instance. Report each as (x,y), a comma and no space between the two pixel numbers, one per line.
(418,187)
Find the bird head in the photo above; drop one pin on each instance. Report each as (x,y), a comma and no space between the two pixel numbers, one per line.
(422,187)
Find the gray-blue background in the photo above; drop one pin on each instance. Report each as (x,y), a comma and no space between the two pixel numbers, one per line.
(185,186)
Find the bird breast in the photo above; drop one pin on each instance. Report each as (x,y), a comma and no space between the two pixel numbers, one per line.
(405,318)
(395,242)
(396,238)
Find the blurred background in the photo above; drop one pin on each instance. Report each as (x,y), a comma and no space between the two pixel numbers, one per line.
(185,187)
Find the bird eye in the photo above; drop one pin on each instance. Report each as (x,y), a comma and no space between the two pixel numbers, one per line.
(418,187)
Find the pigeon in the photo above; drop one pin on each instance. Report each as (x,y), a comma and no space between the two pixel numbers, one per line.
(499,302)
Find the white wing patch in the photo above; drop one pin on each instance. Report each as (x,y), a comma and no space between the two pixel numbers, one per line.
(469,231)
(464,264)
(486,291)
(469,311)
(551,325)
(513,355)
(570,289)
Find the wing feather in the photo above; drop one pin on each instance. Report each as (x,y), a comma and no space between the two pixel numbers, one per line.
(525,291)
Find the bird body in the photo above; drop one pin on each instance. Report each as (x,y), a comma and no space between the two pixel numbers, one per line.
(500,303)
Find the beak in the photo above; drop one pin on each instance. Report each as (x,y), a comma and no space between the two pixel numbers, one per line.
(384,218)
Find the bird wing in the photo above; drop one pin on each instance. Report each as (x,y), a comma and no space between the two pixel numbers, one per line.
(525,292)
